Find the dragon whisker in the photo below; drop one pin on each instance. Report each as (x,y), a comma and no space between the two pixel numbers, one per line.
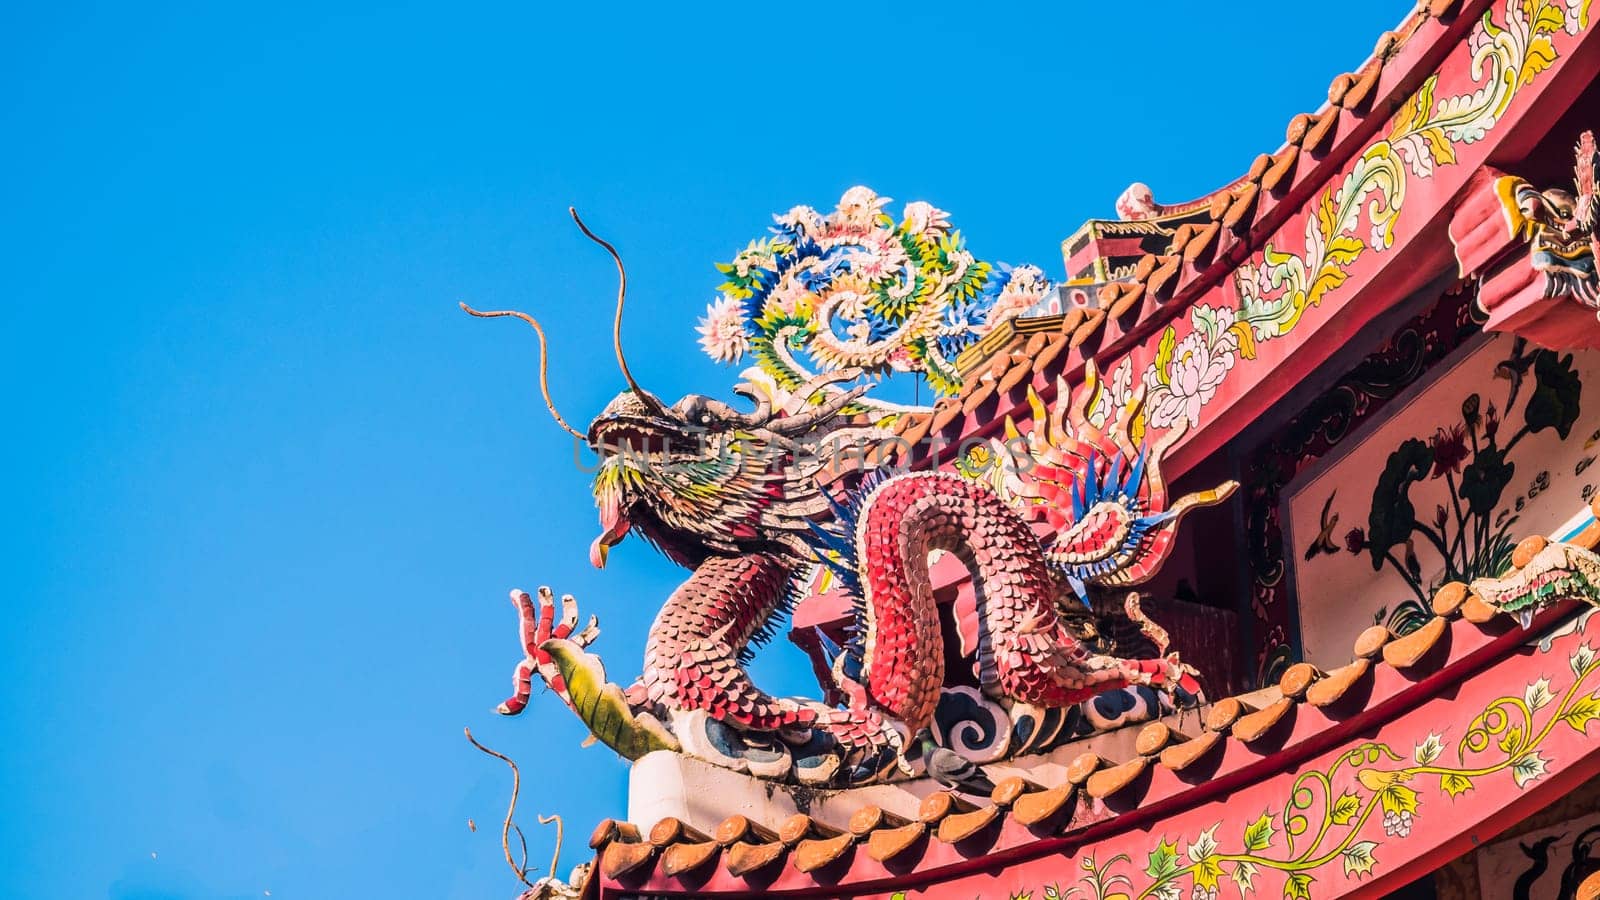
(544,359)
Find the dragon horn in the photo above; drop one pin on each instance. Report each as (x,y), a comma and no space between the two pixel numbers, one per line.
(802,422)
(544,359)
(649,400)
(761,414)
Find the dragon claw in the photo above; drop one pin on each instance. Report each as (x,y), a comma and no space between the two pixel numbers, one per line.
(538,624)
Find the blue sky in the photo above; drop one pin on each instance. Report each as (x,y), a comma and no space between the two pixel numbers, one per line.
(267,487)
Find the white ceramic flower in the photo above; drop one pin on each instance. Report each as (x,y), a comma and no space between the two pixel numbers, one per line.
(858,210)
(1029,277)
(925,219)
(722,331)
(1009,305)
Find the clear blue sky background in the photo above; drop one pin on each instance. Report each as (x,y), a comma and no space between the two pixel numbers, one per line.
(266,487)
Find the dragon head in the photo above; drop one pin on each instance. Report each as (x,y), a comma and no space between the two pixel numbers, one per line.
(698,477)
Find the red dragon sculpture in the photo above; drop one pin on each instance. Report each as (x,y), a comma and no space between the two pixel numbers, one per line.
(739,499)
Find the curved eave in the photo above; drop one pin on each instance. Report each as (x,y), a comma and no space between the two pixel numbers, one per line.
(1270,206)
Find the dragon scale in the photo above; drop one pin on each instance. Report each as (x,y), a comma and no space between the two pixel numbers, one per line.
(692,656)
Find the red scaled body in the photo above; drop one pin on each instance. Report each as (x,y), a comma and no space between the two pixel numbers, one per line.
(1026,652)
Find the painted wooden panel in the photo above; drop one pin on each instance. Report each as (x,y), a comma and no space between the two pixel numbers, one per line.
(1497,445)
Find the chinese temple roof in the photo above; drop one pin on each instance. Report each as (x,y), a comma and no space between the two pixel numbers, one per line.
(1225,277)
(1174,765)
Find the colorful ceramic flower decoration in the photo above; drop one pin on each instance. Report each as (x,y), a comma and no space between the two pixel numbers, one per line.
(857,290)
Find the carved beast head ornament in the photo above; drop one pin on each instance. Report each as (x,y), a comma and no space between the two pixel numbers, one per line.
(699,478)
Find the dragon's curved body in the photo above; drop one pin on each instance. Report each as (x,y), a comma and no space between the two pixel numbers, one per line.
(737,498)
(1028,652)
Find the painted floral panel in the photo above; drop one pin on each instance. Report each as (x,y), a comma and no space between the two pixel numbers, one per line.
(1495,448)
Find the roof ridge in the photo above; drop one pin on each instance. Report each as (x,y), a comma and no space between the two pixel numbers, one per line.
(1239,217)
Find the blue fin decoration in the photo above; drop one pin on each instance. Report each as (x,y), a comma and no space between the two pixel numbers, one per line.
(1079,588)
(1136,475)
(1114,484)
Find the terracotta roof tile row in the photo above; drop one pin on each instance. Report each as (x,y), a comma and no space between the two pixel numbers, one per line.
(1246,730)
(1237,219)
(1237,211)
